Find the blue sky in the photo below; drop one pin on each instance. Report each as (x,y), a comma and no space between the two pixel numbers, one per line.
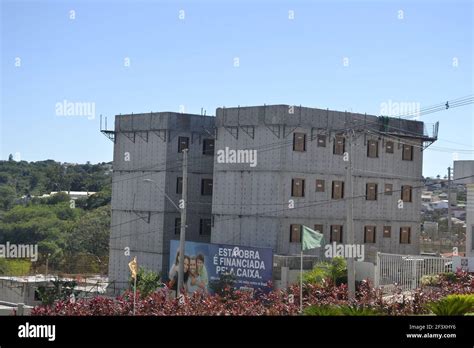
(190,62)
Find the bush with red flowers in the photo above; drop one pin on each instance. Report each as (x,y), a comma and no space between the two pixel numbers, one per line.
(276,302)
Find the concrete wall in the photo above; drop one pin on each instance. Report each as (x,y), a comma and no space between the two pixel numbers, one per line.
(146,147)
(250,205)
(470,221)
(18,292)
(463,169)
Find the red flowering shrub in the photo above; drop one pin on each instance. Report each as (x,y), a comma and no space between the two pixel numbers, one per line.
(277,302)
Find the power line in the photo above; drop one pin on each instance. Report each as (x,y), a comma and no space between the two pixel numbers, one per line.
(303,206)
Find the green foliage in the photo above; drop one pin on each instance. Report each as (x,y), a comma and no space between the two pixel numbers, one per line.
(56,290)
(71,239)
(91,232)
(335,271)
(99,199)
(345,310)
(7,196)
(430,280)
(14,267)
(37,178)
(324,310)
(453,305)
(358,311)
(147,281)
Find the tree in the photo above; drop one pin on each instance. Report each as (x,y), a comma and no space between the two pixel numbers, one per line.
(147,281)
(334,271)
(56,290)
(7,197)
(91,233)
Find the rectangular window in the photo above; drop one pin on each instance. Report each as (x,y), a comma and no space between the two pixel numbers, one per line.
(295,233)
(407,153)
(387,231)
(389,147)
(179,185)
(405,233)
(206,187)
(299,142)
(320,185)
(369,234)
(372,148)
(339,145)
(336,234)
(183,143)
(321,140)
(297,187)
(388,189)
(337,189)
(406,193)
(177,226)
(205,227)
(319,228)
(371,192)
(208,147)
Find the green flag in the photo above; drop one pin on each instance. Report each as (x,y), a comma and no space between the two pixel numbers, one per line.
(311,239)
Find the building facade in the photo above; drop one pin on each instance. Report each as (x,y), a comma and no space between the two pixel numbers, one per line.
(464,174)
(148,153)
(294,176)
(301,173)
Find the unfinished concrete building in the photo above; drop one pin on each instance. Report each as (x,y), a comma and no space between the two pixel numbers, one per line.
(300,173)
(148,162)
(298,178)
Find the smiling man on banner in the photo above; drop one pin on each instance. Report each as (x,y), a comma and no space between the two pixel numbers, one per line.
(310,239)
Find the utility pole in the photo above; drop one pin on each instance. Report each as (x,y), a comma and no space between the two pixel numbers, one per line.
(182,239)
(449,207)
(449,203)
(349,215)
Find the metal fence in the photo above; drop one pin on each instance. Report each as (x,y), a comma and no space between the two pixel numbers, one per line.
(406,271)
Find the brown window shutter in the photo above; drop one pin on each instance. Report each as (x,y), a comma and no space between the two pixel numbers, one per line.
(319,228)
(336,233)
(369,234)
(372,148)
(320,185)
(321,140)
(407,154)
(295,233)
(299,142)
(339,145)
(388,189)
(297,187)
(406,193)
(387,231)
(405,235)
(371,192)
(337,189)
(389,147)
